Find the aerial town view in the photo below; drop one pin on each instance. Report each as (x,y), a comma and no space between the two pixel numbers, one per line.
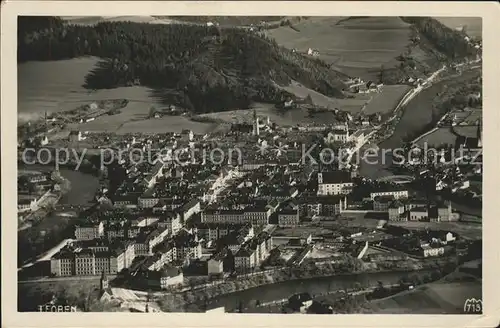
(250,164)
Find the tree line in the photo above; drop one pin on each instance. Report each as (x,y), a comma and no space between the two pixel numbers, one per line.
(200,68)
(449,42)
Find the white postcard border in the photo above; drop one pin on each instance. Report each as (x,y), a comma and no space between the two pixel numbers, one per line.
(489,11)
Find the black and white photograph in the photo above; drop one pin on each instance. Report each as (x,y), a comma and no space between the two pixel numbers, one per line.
(250,164)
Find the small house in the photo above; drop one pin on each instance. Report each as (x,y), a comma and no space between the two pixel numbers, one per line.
(300,302)
(75,136)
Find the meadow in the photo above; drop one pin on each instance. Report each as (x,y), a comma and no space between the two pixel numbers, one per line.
(368,103)
(56,86)
(475,116)
(352,105)
(357,47)
(469,131)
(469,231)
(447,295)
(93,20)
(386,100)
(53,86)
(435,298)
(438,137)
(288,118)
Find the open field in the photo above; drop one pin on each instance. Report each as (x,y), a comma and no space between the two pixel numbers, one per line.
(351,105)
(92,20)
(302,231)
(321,253)
(473,24)
(469,131)
(465,230)
(286,255)
(227,21)
(372,237)
(294,116)
(166,124)
(373,251)
(386,101)
(439,297)
(134,118)
(56,86)
(438,137)
(289,118)
(475,116)
(357,47)
(352,220)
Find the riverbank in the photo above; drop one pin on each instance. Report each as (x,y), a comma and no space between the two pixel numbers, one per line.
(282,283)
(50,228)
(413,116)
(396,113)
(47,202)
(445,295)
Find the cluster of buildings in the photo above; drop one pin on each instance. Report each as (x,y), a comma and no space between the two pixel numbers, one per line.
(357,85)
(343,134)
(455,167)
(148,248)
(31,188)
(168,214)
(415,210)
(422,244)
(245,256)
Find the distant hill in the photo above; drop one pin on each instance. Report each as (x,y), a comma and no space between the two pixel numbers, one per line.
(226,20)
(201,68)
(387,49)
(228,66)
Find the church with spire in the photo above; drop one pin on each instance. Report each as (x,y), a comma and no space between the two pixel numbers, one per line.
(256,124)
(105,292)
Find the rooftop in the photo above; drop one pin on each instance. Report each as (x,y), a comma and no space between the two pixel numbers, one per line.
(384,199)
(336,177)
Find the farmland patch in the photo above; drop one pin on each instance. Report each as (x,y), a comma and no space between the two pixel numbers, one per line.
(386,100)
(357,47)
(438,137)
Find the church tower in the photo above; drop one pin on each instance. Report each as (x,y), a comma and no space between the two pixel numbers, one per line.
(104,281)
(256,126)
(479,135)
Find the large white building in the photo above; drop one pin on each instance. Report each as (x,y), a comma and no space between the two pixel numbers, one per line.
(89,231)
(397,194)
(334,183)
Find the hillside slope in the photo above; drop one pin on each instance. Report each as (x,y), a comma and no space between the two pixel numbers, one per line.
(387,49)
(201,68)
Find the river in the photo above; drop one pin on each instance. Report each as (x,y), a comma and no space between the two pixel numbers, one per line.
(83,185)
(285,289)
(416,114)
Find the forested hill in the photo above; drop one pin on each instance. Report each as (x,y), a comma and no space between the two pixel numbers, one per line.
(448,42)
(201,68)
